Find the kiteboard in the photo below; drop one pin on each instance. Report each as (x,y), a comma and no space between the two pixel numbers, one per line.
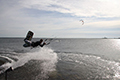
(29,35)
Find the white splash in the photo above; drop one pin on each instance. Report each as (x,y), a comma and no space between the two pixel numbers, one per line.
(47,56)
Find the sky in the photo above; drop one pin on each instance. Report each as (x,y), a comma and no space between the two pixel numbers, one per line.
(60,18)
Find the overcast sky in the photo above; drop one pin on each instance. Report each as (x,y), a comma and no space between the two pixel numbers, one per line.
(60,18)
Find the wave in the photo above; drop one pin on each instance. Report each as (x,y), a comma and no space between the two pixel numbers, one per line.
(46,55)
(95,65)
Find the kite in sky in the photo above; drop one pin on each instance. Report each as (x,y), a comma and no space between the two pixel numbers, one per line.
(82,21)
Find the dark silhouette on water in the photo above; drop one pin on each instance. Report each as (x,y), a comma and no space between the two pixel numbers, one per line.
(8,70)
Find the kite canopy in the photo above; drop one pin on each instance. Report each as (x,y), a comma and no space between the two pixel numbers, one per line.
(82,21)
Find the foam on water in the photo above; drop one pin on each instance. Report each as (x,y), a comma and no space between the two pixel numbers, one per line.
(46,55)
(102,68)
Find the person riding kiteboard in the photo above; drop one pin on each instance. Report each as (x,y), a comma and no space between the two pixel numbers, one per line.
(29,43)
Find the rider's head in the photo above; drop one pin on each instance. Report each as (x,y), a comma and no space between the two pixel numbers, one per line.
(41,40)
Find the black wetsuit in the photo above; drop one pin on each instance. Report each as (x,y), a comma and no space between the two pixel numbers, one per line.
(35,44)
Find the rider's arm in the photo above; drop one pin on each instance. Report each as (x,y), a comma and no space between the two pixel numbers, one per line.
(42,44)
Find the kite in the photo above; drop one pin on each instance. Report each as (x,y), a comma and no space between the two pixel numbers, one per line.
(82,22)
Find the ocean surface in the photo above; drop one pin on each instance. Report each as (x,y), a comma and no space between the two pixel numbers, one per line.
(62,59)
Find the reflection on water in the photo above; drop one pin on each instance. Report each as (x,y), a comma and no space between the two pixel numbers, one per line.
(63,59)
(116,44)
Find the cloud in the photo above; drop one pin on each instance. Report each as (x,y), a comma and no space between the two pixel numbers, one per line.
(59,17)
(86,8)
(105,24)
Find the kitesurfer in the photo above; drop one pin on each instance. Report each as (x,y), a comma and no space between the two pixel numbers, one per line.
(33,44)
(38,43)
(29,43)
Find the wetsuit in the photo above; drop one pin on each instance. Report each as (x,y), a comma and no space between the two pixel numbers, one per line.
(35,44)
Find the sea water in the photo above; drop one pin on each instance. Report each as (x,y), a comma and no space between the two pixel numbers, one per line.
(62,59)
